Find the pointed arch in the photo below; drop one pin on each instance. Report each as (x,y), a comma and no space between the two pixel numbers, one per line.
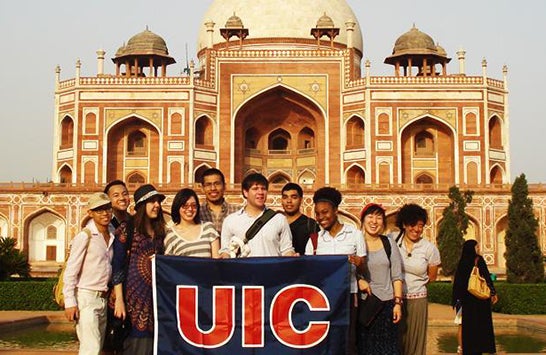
(306,177)
(384,171)
(198,172)
(472,173)
(383,124)
(65,174)
(204,133)
(251,171)
(495,133)
(136,178)
(306,139)
(424,144)
(89,172)
(355,175)
(424,178)
(355,133)
(90,123)
(496,174)
(40,245)
(175,170)
(134,142)
(176,124)
(4,226)
(282,88)
(279,140)
(137,143)
(436,134)
(273,121)
(279,178)
(67,133)
(471,123)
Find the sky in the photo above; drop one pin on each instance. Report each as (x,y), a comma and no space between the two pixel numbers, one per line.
(39,35)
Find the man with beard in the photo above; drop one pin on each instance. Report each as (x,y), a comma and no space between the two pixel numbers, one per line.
(301,226)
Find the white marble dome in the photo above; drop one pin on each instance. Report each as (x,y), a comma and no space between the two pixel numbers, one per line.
(280,19)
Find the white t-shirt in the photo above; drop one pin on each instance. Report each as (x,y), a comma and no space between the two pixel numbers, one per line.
(274,239)
(415,266)
(349,241)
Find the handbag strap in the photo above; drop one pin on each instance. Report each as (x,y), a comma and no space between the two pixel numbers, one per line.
(88,232)
(314,241)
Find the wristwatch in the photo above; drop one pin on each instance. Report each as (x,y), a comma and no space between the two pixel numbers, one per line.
(398,300)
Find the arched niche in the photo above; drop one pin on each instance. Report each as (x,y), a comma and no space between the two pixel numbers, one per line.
(46,237)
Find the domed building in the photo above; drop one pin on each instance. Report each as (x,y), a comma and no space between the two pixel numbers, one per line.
(289,97)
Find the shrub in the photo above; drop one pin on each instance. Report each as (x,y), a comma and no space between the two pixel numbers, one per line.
(12,260)
(513,298)
(31,295)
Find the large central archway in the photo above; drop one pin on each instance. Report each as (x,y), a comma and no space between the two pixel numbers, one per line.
(279,131)
(428,153)
(133,152)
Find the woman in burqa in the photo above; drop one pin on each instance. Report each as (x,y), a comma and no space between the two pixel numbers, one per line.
(477,334)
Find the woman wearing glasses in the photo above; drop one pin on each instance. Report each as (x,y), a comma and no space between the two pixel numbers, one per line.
(188,236)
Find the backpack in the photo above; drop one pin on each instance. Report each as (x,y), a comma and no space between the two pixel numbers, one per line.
(58,296)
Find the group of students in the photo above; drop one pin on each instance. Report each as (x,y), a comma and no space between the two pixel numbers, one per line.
(115,250)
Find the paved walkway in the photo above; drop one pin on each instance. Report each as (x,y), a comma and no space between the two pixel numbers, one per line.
(439,316)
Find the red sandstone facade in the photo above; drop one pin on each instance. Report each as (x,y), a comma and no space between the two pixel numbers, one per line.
(294,109)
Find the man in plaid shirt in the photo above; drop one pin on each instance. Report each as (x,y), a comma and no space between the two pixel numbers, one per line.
(215,208)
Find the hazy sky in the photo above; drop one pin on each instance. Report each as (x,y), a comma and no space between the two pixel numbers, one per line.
(38,35)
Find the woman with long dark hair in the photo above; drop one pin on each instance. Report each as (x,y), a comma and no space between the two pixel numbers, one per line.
(132,268)
(188,236)
(476,331)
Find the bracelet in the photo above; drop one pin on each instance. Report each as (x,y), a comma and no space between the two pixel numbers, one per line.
(398,300)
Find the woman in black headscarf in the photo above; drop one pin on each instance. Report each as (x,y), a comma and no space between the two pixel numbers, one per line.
(476,332)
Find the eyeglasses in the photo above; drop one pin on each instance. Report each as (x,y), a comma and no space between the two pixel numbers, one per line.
(188,206)
(102,210)
(209,185)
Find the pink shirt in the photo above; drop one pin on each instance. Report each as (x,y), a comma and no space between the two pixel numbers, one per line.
(95,272)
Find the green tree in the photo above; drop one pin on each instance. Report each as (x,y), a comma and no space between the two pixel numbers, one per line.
(524,260)
(452,229)
(12,260)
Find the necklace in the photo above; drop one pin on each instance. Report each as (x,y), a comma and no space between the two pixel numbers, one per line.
(408,249)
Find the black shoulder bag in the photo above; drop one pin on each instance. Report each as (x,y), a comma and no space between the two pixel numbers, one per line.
(369,308)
